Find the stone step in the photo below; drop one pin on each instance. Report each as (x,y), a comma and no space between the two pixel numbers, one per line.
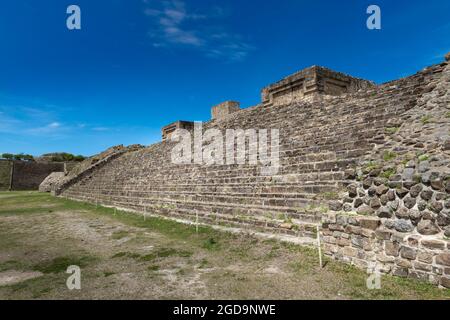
(293,227)
(303,213)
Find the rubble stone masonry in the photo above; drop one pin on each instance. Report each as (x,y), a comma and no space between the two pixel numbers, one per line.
(367,164)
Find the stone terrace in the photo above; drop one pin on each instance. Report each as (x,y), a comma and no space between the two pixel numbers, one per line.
(319,140)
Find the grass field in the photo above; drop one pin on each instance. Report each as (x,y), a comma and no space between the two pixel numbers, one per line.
(121,256)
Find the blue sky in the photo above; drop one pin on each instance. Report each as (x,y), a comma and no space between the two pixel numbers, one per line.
(137,65)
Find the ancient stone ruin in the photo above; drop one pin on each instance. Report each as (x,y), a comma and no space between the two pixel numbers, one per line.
(25,175)
(367,165)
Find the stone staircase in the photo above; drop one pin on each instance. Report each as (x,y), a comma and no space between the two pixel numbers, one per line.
(319,140)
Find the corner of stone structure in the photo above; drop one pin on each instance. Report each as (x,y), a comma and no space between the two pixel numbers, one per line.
(224,109)
(311,84)
(168,130)
(447,56)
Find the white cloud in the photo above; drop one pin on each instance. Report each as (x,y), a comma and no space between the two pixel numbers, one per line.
(174,25)
(100,129)
(54,125)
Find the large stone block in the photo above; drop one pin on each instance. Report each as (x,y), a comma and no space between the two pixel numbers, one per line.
(224,109)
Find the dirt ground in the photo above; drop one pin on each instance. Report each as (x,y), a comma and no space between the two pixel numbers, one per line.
(123,256)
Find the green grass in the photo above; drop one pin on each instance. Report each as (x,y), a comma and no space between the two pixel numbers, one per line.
(31,203)
(388,173)
(389,155)
(208,243)
(165,253)
(371,165)
(391,130)
(425,119)
(127,255)
(329,195)
(60,264)
(117,235)
(424,157)
(153,268)
(211,244)
(11,265)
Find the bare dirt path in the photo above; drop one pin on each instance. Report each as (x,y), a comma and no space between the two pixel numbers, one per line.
(121,256)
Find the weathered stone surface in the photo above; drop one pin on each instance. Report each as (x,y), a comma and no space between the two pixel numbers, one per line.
(402,192)
(433,244)
(422,205)
(358,202)
(348,200)
(367,183)
(394,205)
(391,195)
(408,253)
(425,257)
(382,234)
(409,202)
(403,225)
(361,139)
(402,213)
(335,205)
(352,190)
(415,216)
(51,182)
(375,203)
(408,174)
(447,204)
(384,199)
(427,227)
(428,215)
(436,206)
(443,259)
(445,282)
(350,174)
(384,213)
(369,223)
(381,189)
(392,248)
(424,166)
(415,190)
(400,272)
(426,195)
(447,232)
(437,184)
(365,210)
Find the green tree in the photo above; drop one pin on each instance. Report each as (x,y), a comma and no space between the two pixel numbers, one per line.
(8,156)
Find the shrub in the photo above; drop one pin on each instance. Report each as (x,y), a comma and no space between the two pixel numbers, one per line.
(8,156)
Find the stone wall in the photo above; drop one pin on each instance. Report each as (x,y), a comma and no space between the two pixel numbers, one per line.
(51,182)
(224,109)
(168,130)
(404,184)
(367,243)
(329,148)
(5,174)
(28,175)
(310,83)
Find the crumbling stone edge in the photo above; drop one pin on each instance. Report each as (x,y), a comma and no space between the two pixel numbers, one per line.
(365,243)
